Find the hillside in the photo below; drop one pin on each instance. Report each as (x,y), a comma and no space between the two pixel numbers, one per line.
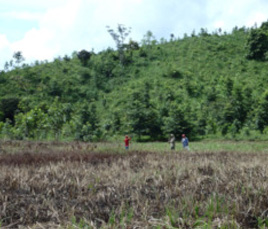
(204,85)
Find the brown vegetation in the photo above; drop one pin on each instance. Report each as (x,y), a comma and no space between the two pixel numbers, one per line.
(45,185)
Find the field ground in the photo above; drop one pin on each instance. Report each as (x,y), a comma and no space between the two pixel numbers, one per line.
(217,184)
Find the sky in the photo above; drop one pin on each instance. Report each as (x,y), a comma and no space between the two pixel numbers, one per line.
(47,29)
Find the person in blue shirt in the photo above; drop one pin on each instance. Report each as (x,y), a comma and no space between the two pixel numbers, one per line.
(185,142)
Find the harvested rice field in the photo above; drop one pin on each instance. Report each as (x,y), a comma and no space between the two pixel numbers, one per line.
(85,185)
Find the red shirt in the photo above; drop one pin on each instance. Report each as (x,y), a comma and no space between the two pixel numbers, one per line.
(127,141)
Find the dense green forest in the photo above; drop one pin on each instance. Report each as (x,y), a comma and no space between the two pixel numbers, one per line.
(204,85)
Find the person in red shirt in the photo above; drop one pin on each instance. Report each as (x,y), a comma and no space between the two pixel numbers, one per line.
(126,140)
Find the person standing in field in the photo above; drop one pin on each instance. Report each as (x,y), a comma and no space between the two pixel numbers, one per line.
(172,142)
(185,142)
(127,140)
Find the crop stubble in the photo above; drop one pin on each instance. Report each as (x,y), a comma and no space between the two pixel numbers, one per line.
(48,184)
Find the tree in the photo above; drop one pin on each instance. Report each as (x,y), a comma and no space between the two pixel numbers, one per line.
(257,43)
(32,124)
(147,46)
(58,114)
(203,32)
(6,66)
(177,122)
(9,106)
(262,112)
(141,115)
(84,57)
(119,37)
(148,39)
(18,57)
(132,45)
(235,111)
(86,123)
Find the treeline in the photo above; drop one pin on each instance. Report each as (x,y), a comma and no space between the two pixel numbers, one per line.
(204,85)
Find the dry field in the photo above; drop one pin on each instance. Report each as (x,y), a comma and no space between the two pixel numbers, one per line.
(76,185)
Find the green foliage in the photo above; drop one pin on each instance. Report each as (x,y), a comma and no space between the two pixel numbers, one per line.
(262,222)
(177,122)
(141,116)
(18,57)
(32,124)
(8,108)
(84,123)
(84,57)
(201,85)
(7,129)
(262,112)
(258,43)
(79,224)
(119,36)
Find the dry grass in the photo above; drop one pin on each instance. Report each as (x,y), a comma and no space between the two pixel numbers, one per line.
(71,185)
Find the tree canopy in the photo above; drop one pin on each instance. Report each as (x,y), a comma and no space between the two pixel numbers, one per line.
(204,85)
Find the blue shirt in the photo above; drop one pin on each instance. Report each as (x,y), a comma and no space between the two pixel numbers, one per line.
(185,142)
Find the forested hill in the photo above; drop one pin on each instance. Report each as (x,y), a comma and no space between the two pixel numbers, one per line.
(203,85)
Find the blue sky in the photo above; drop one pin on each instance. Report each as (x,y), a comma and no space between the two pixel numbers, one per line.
(46,29)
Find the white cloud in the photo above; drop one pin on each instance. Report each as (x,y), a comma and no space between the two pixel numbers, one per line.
(219,24)
(22,15)
(64,26)
(52,36)
(37,45)
(256,18)
(5,50)
(3,41)
(30,4)
(230,13)
(61,18)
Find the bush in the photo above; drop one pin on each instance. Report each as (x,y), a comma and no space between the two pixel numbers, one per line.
(8,108)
